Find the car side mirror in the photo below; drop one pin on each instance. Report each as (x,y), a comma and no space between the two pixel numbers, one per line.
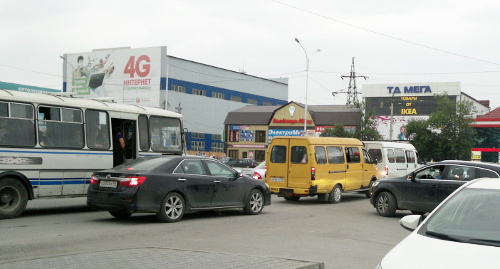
(411,177)
(411,222)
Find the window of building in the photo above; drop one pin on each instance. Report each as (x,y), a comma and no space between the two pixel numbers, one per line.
(177,88)
(217,147)
(251,101)
(218,95)
(198,135)
(260,136)
(235,98)
(216,137)
(234,136)
(199,92)
(266,104)
(198,145)
(260,155)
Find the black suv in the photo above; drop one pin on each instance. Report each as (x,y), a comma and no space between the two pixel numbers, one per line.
(423,189)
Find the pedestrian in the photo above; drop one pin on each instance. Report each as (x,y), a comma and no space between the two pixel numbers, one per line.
(118,147)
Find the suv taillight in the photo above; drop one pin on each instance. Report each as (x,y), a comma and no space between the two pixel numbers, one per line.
(313,173)
(132,181)
(94,180)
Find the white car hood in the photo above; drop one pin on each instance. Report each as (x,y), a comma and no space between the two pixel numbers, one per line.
(417,251)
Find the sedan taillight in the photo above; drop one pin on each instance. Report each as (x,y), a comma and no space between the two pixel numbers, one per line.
(132,181)
(256,176)
(94,180)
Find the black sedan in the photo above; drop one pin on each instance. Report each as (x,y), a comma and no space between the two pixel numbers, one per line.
(173,185)
(423,189)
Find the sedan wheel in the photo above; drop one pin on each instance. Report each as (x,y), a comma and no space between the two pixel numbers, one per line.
(172,208)
(255,203)
(385,204)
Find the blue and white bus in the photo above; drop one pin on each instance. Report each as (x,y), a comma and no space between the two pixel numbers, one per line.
(50,144)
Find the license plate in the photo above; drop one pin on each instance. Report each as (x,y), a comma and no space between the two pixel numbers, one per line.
(277,179)
(108,184)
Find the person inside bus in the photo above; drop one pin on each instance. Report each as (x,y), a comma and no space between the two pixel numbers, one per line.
(118,147)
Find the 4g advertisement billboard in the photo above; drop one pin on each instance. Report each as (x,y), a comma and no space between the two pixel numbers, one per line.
(131,76)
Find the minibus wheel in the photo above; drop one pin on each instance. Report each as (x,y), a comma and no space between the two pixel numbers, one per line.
(335,195)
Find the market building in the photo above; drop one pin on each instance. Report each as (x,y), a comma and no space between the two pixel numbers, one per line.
(250,129)
(395,104)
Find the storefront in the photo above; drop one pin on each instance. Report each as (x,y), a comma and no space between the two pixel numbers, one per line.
(249,130)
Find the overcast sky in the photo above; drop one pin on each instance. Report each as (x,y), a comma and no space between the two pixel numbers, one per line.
(393,41)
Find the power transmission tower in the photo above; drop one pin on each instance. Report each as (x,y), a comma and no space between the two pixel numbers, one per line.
(352,92)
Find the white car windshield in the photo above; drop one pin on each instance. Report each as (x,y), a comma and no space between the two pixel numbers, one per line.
(470,216)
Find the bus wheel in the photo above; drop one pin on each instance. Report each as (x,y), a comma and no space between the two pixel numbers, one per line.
(13,198)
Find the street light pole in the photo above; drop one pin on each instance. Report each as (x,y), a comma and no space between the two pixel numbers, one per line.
(307,82)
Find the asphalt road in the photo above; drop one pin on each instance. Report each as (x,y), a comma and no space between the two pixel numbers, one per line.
(345,235)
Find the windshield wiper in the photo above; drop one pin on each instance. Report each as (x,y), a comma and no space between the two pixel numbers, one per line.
(445,236)
(489,242)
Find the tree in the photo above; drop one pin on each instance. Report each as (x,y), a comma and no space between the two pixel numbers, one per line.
(337,131)
(447,134)
(367,127)
(366,131)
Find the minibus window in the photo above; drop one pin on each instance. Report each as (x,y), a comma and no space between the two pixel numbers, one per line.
(390,156)
(320,155)
(376,154)
(352,154)
(278,154)
(400,156)
(410,156)
(299,154)
(335,155)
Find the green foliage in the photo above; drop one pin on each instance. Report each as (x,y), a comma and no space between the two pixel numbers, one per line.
(447,134)
(338,131)
(366,131)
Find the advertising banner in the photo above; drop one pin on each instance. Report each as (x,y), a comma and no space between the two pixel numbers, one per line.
(131,76)
(399,123)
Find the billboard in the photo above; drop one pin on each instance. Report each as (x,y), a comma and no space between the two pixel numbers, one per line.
(383,125)
(131,76)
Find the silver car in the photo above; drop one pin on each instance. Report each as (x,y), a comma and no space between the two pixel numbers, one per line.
(259,172)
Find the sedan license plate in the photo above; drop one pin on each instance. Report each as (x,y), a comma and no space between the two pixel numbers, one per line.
(108,184)
(277,179)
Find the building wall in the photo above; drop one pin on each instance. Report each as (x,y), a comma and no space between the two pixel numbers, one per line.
(206,113)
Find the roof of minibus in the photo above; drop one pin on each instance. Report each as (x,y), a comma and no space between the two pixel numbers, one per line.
(387,144)
(324,140)
(55,99)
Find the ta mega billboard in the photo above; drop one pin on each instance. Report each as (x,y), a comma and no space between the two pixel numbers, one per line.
(130,76)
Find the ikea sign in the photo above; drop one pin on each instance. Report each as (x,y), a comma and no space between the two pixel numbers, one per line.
(409,89)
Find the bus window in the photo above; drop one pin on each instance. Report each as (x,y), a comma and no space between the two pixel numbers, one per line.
(400,156)
(17,126)
(165,134)
(320,155)
(97,129)
(335,155)
(60,127)
(143,133)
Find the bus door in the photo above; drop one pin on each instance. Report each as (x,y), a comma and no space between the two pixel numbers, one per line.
(129,133)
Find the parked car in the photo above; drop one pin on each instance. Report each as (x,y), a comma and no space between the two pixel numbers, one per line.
(423,189)
(248,163)
(259,172)
(173,185)
(463,232)
(228,161)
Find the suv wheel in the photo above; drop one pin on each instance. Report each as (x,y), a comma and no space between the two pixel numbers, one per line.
(385,204)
